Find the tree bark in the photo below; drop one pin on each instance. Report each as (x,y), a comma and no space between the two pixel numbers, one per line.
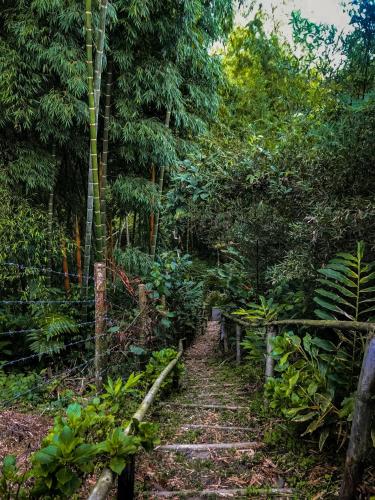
(360,435)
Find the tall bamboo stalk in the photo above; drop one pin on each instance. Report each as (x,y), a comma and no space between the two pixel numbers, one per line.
(152,215)
(103,172)
(50,220)
(78,252)
(65,265)
(93,134)
(161,184)
(97,86)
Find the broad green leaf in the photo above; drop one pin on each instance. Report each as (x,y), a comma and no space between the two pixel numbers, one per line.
(344,269)
(305,417)
(327,305)
(322,438)
(367,278)
(323,315)
(73,412)
(64,475)
(367,290)
(117,464)
(47,455)
(331,273)
(334,297)
(347,256)
(323,344)
(338,287)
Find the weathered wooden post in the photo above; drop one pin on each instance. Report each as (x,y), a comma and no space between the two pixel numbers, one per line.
(238,344)
(271,332)
(126,481)
(100,319)
(360,435)
(224,334)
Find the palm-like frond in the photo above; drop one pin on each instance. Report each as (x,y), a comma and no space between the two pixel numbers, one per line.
(347,291)
(48,339)
(134,261)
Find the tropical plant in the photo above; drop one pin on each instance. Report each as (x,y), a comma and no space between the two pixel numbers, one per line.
(348,292)
(313,386)
(49,336)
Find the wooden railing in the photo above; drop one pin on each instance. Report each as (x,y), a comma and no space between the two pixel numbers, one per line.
(364,410)
(125,483)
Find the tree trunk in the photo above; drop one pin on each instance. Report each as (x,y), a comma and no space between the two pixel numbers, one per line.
(152,216)
(161,183)
(65,266)
(360,435)
(96,95)
(93,113)
(78,252)
(103,177)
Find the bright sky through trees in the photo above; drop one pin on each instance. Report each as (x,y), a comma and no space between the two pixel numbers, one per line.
(319,11)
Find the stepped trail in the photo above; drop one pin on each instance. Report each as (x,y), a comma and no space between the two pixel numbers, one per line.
(211,443)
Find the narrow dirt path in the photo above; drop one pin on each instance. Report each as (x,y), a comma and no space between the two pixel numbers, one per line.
(211,444)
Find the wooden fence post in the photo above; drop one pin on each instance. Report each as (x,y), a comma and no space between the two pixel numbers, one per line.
(126,481)
(224,334)
(360,435)
(271,332)
(238,344)
(100,319)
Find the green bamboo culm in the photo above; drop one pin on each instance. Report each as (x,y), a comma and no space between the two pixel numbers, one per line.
(50,220)
(161,184)
(93,135)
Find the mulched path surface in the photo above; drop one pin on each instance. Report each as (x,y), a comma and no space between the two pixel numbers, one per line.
(206,382)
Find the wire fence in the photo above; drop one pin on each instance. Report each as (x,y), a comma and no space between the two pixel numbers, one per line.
(114,336)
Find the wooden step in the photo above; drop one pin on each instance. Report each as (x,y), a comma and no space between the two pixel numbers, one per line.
(222,493)
(216,427)
(202,406)
(210,446)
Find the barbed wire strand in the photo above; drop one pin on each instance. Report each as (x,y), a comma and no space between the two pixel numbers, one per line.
(30,330)
(41,269)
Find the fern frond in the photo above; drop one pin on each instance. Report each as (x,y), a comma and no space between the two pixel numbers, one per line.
(49,338)
(343,293)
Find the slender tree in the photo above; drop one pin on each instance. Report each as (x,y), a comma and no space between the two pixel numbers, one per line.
(90,190)
(161,184)
(93,134)
(104,162)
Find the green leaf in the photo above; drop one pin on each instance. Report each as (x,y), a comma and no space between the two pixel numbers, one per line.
(347,256)
(117,464)
(367,278)
(305,417)
(322,438)
(343,290)
(64,475)
(334,296)
(47,455)
(323,344)
(73,412)
(330,273)
(323,315)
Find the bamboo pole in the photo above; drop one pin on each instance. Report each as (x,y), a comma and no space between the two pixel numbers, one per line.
(105,481)
(100,322)
(65,266)
(317,323)
(360,435)
(142,308)
(78,252)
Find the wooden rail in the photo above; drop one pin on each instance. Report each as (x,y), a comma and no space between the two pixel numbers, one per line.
(126,479)
(364,410)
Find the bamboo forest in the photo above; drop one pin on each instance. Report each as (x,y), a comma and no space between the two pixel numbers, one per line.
(187,249)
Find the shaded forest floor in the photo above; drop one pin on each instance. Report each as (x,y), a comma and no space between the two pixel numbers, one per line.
(264,459)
